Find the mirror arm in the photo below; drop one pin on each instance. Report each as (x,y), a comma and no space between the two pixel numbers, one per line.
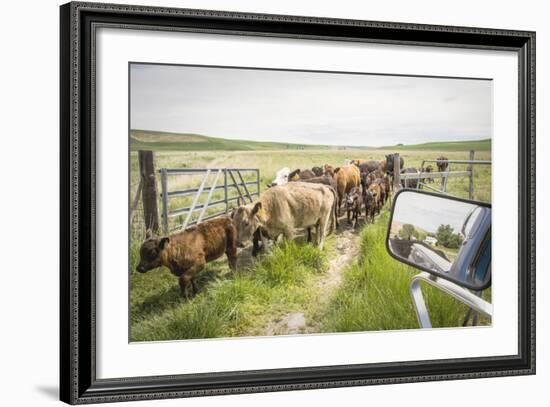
(454,290)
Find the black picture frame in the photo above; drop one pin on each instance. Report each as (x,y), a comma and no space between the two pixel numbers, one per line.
(78,382)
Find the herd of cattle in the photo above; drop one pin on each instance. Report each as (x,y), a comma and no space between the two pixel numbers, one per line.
(300,199)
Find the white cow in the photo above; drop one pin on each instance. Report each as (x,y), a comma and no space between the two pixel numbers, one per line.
(281,177)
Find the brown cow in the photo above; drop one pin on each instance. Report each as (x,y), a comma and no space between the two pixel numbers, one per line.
(384,192)
(318,171)
(442,163)
(389,163)
(284,208)
(369,166)
(429,168)
(354,203)
(409,183)
(383,165)
(376,191)
(369,178)
(186,253)
(300,175)
(346,178)
(329,170)
(370,208)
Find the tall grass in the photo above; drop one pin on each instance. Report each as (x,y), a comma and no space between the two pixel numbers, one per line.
(228,304)
(375,293)
(373,296)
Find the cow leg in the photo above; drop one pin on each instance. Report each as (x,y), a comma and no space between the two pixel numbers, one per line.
(231,248)
(317,232)
(185,279)
(323,223)
(288,234)
(309,235)
(231,254)
(194,286)
(188,277)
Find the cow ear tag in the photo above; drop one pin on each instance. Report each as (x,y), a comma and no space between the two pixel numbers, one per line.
(261,213)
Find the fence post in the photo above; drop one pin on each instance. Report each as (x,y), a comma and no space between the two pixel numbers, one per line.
(258,182)
(149,191)
(225,191)
(164,186)
(135,202)
(471,169)
(396,172)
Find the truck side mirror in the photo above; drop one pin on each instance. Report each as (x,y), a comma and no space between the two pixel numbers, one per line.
(445,236)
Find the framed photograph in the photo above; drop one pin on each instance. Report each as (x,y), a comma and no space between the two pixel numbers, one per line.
(254,203)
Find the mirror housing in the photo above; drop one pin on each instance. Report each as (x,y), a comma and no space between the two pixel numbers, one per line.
(445,236)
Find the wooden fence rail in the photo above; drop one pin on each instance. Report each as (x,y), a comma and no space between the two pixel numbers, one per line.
(444,175)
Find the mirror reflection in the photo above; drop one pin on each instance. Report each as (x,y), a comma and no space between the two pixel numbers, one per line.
(439,234)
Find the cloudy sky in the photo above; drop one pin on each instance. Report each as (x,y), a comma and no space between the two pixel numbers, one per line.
(428,212)
(307,107)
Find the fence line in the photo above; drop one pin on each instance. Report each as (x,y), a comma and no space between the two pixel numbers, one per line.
(241,188)
(444,175)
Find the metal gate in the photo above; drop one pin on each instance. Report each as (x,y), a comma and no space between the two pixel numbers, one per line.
(229,180)
(419,177)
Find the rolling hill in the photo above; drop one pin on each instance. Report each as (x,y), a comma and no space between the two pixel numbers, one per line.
(165,141)
(477,145)
(156,140)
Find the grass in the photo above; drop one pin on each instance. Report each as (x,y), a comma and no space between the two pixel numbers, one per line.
(375,293)
(478,145)
(227,304)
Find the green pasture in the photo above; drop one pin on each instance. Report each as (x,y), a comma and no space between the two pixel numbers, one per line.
(373,293)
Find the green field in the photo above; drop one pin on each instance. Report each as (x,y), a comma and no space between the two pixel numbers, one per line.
(478,145)
(162,141)
(367,290)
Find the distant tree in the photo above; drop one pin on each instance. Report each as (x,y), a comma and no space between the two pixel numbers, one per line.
(447,238)
(455,241)
(407,232)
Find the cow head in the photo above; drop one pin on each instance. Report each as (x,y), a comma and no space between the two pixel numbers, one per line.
(247,218)
(374,189)
(281,178)
(368,197)
(389,163)
(352,198)
(329,170)
(318,171)
(150,252)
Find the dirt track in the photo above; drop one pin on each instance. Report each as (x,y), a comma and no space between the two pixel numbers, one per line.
(347,251)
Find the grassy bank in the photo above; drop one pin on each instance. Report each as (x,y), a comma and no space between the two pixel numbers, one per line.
(375,293)
(240,304)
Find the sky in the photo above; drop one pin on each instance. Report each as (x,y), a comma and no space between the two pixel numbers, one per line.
(429,212)
(309,107)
